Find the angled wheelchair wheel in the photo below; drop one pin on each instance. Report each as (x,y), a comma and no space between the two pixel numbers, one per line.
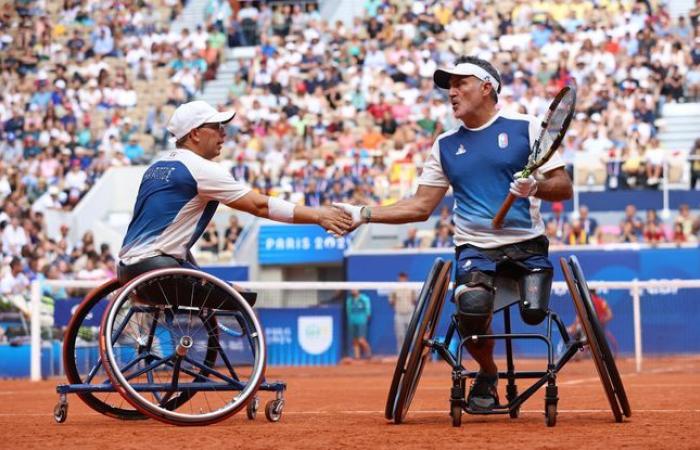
(589,321)
(81,360)
(183,347)
(420,351)
(408,343)
(605,345)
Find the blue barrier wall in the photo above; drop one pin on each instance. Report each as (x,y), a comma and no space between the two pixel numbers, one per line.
(302,336)
(666,327)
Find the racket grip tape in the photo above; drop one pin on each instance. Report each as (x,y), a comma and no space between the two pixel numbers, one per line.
(497,221)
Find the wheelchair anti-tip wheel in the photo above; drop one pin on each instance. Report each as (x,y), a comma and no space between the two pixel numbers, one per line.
(78,358)
(210,344)
(595,339)
(415,351)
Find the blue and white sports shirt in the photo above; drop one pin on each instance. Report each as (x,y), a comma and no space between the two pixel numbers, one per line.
(177,198)
(479,164)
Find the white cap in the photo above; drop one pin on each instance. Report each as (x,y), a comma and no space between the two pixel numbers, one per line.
(189,116)
(441,77)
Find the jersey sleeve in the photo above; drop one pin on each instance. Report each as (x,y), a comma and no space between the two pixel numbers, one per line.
(555,161)
(432,174)
(215,183)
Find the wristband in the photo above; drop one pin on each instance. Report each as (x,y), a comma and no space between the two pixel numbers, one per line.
(280,210)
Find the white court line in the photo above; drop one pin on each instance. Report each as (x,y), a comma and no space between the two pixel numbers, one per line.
(428,411)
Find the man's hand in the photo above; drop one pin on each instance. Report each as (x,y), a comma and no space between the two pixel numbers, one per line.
(354,212)
(335,220)
(523,187)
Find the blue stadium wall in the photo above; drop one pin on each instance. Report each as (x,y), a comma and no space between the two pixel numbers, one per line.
(668,316)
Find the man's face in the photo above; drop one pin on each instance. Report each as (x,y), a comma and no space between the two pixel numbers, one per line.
(467,94)
(209,138)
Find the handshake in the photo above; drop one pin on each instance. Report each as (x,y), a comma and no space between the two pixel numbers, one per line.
(352,217)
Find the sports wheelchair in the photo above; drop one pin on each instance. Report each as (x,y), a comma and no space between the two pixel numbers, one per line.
(177,345)
(421,341)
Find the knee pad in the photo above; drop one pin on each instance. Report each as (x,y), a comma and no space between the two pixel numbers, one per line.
(535,289)
(474,301)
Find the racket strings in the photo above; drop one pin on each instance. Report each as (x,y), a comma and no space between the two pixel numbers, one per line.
(556,124)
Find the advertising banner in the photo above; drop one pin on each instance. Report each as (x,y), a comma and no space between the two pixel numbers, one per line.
(299,244)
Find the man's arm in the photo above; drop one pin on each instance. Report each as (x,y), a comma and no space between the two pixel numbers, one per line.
(414,209)
(332,219)
(555,186)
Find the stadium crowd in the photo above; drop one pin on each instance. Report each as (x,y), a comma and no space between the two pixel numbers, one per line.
(327,111)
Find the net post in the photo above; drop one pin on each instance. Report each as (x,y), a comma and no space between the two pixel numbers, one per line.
(637,316)
(35,317)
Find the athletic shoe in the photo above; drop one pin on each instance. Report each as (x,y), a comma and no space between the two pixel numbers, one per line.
(483,395)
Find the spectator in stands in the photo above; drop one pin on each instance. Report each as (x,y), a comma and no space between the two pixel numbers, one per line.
(577,235)
(636,226)
(559,220)
(14,286)
(654,162)
(551,233)
(359,311)
(412,240)
(588,223)
(627,234)
(210,239)
(679,236)
(232,233)
(694,158)
(403,300)
(443,238)
(134,151)
(14,237)
(653,233)
(445,219)
(686,221)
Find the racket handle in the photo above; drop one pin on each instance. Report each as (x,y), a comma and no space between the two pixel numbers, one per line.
(497,221)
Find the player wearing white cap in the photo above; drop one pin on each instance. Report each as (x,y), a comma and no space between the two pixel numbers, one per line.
(478,160)
(180,192)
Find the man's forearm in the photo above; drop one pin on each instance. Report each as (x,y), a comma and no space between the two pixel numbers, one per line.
(555,188)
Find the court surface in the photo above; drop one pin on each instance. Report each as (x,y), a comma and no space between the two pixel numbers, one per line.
(342,407)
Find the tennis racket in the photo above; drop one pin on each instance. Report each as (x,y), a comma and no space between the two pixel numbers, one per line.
(554,127)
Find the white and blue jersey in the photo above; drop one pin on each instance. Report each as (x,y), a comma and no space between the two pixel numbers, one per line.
(177,198)
(479,164)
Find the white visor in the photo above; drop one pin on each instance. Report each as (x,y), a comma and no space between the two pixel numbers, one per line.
(441,77)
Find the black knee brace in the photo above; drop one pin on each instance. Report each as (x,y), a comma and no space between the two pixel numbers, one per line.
(535,288)
(474,299)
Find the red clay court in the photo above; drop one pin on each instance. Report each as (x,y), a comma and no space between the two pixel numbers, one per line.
(342,407)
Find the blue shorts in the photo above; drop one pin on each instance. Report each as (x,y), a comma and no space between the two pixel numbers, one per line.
(358,330)
(510,260)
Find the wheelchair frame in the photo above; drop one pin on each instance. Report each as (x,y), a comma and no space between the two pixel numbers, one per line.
(102,378)
(420,342)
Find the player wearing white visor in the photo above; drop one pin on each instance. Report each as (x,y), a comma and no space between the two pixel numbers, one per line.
(478,159)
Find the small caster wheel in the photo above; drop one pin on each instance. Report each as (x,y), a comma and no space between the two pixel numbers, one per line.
(550,414)
(60,412)
(456,413)
(251,410)
(273,410)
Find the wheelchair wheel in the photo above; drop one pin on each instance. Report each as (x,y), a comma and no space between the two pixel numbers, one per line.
(78,356)
(605,345)
(576,287)
(419,350)
(408,343)
(212,345)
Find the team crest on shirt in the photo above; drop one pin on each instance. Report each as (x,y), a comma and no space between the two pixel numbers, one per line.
(461,150)
(503,140)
